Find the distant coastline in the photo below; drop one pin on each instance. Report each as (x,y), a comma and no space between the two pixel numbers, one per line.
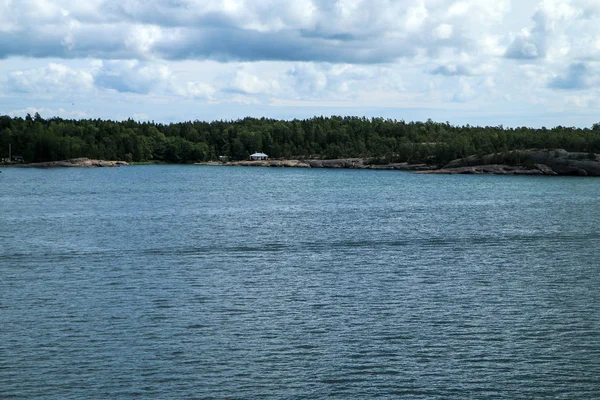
(81,162)
(341,163)
(557,162)
(519,162)
(377,141)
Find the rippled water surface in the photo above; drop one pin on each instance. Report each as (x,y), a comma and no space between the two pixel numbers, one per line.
(210,282)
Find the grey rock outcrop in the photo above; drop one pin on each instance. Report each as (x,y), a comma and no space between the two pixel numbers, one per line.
(352,163)
(347,163)
(493,169)
(518,162)
(75,162)
(546,162)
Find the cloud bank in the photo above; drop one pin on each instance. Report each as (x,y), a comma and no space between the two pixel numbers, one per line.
(407,54)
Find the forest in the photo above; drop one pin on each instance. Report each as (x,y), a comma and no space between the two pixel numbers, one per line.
(36,139)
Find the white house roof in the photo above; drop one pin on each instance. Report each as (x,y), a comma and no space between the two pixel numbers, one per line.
(259,155)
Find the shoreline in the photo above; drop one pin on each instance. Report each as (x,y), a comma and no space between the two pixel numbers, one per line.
(556,162)
(81,162)
(493,169)
(341,163)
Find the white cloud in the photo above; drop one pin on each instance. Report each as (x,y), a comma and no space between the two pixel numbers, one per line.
(141,116)
(246,82)
(341,31)
(308,80)
(409,53)
(582,102)
(443,31)
(132,76)
(415,17)
(141,39)
(560,30)
(465,91)
(336,81)
(52,80)
(197,90)
(458,9)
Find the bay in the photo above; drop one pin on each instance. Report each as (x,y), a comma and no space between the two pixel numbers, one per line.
(249,283)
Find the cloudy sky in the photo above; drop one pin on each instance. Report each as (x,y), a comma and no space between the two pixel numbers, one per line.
(479,62)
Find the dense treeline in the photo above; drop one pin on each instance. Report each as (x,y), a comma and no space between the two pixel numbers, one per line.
(38,139)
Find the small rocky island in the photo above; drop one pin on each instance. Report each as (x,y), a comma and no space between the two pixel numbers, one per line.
(74,162)
(517,162)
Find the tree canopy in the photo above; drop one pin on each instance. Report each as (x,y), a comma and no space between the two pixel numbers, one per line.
(37,139)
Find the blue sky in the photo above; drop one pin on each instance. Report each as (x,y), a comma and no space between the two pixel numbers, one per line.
(479,62)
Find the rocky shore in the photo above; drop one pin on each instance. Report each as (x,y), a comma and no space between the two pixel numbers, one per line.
(526,162)
(518,162)
(494,169)
(348,163)
(74,162)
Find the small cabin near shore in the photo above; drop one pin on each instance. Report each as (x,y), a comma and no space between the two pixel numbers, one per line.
(259,156)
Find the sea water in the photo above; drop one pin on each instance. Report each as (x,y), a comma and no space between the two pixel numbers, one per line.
(193,282)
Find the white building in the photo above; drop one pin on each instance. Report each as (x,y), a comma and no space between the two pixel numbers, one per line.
(259,156)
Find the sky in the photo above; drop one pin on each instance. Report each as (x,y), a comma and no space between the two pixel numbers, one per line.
(479,62)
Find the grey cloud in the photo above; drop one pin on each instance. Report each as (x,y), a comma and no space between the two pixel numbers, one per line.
(319,34)
(121,84)
(221,44)
(131,77)
(190,31)
(88,42)
(169,15)
(30,46)
(239,44)
(309,80)
(523,48)
(450,70)
(576,78)
(532,46)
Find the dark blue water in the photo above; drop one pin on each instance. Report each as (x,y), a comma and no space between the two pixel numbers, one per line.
(178,282)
